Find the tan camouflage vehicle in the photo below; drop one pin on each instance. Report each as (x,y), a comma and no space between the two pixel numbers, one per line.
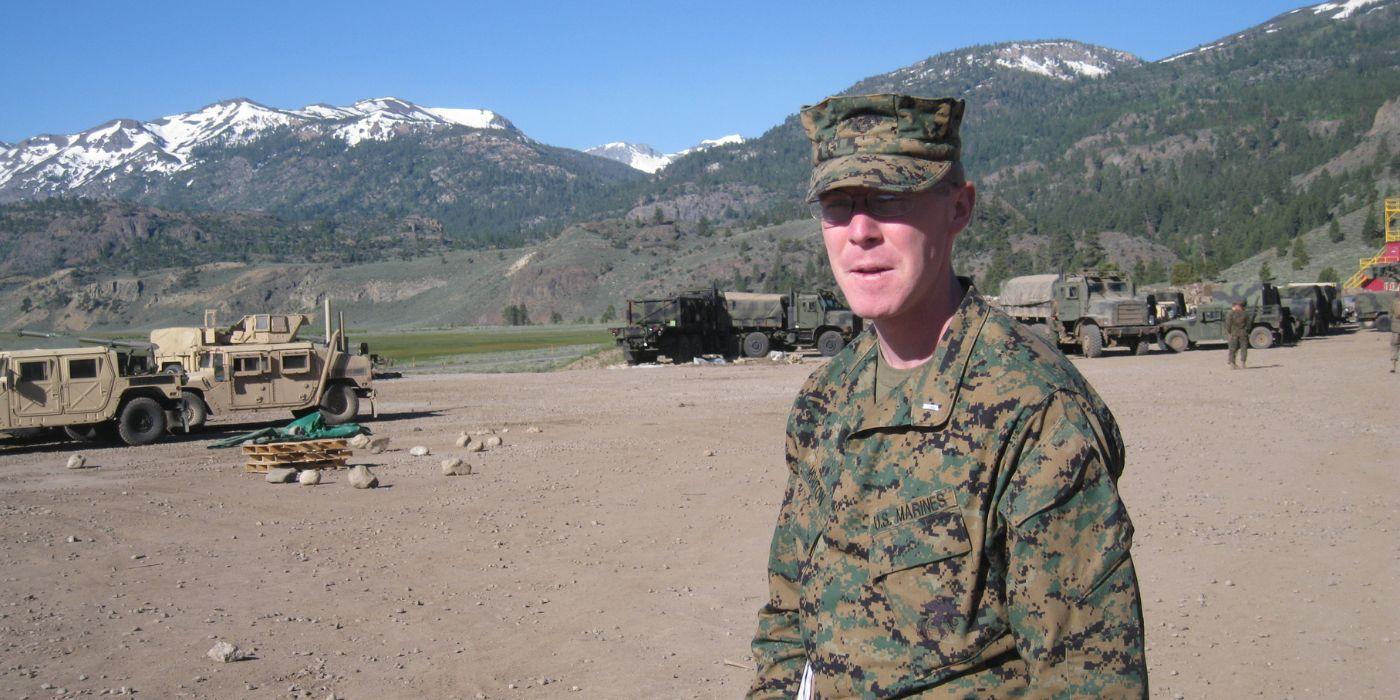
(90,392)
(258,363)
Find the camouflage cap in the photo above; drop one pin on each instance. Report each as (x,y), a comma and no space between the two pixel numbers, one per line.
(898,143)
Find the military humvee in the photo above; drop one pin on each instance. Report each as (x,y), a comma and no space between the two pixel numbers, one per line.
(89,392)
(1266,310)
(1092,309)
(1205,324)
(259,363)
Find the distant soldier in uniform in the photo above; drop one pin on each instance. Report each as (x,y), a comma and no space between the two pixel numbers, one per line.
(1237,332)
(1394,333)
(951,525)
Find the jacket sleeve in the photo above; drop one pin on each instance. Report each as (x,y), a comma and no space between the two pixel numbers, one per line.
(1072,594)
(778,652)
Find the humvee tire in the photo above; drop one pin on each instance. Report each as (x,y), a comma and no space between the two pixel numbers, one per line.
(1261,338)
(1383,323)
(141,422)
(173,368)
(194,409)
(830,343)
(1176,340)
(755,345)
(1091,340)
(629,356)
(1143,346)
(339,404)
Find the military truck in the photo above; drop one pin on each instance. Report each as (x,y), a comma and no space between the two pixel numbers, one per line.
(789,321)
(681,327)
(90,392)
(259,363)
(1373,309)
(1092,309)
(703,322)
(1310,308)
(1266,311)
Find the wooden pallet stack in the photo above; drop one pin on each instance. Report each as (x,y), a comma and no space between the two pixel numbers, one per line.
(306,454)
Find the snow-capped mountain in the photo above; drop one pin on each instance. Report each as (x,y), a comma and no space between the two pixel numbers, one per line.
(648,159)
(1348,9)
(635,155)
(49,165)
(1061,60)
(1341,10)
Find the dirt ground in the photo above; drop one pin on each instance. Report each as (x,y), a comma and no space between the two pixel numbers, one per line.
(609,557)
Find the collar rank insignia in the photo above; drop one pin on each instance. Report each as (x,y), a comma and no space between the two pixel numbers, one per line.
(933,407)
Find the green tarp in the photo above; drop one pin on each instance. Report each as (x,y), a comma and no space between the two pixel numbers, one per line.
(309,427)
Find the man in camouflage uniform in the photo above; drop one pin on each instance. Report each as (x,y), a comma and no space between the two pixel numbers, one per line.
(1237,334)
(1394,333)
(951,525)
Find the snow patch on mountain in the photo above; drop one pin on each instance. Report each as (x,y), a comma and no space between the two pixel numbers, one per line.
(1343,9)
(649,160)
(53,164)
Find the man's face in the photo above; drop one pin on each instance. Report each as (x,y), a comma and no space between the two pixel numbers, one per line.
(891,269)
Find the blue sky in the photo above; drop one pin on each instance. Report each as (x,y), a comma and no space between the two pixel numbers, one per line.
(570,74)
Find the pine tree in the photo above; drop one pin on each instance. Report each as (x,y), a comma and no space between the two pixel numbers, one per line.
(1334,232)
(1300,254)
(1266,274)
(609,314)
(1329,274)
(1371,228)
(1183,273)
(1061,250)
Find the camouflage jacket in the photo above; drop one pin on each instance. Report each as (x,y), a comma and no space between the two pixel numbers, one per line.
(1237,323)
(961,538)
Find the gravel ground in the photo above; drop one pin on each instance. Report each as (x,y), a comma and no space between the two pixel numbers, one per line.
(620,551)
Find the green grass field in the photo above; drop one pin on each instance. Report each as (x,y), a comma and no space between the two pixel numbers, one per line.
(411,347)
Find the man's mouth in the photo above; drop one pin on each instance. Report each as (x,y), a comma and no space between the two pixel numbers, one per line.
(868,271)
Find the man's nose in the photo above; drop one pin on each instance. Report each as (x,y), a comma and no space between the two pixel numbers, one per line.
(863,228)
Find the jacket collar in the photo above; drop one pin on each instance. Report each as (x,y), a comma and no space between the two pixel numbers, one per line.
(929,394)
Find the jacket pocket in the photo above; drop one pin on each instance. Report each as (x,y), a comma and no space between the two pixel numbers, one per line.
(920,565)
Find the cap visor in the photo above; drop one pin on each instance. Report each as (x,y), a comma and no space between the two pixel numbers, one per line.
(891,173)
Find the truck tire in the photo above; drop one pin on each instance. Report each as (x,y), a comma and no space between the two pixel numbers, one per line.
(192,405)
(1382,323)
(755,345)
(1090,340)
(141,422)
(173,368)
(629,355)
(830,342)
(1176,340)
(1142,346)
(1261,337)
(339,404)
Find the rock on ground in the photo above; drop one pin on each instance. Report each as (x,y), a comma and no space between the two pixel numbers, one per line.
(475,447)
(225,652)
(281,475)
(378,445)
(309,477)
(463,440)
(455,467)
(494,441)
(362,478)
(419,451)
(359,442)
(77,461)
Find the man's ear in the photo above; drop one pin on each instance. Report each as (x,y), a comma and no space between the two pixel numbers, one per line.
(964,201)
